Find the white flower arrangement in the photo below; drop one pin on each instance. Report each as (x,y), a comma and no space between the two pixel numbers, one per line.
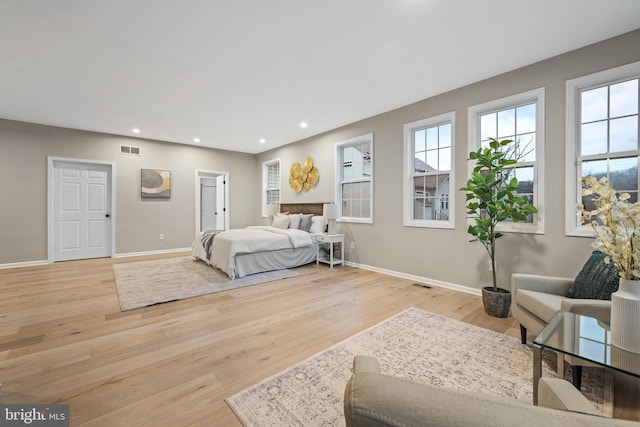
(616,225)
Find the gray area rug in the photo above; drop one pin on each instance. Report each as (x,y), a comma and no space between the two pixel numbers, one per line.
(144,283)
(413,344)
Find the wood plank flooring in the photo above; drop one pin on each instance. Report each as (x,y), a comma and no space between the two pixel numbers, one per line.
(63,338)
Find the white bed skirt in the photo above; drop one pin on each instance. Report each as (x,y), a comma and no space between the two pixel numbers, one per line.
(275,260)
(258,262)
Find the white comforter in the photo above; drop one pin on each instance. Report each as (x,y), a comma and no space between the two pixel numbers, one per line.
(230,243)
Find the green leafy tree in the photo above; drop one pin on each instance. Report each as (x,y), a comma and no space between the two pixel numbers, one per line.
(492,195)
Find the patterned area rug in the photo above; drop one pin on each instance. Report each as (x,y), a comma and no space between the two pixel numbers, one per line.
(413,344)
(144,283)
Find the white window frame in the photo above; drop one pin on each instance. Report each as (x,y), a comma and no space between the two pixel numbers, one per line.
(474,113)
(409,167)
(339,146)
(573,90)
(265,183)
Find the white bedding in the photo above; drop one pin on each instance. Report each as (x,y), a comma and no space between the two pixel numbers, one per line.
(227,244)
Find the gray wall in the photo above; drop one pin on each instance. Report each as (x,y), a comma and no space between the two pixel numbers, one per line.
(24,149)
(446,255)
(443,255)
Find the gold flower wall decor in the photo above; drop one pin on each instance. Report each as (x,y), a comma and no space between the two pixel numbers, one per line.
(303,176)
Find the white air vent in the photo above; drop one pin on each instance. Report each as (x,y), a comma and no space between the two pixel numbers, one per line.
(128,149)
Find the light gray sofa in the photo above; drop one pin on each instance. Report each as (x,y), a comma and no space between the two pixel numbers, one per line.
(375,400)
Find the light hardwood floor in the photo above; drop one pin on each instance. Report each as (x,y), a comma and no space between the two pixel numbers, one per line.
(63,338)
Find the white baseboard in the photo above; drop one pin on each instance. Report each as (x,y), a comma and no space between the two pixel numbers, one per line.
(24,264)
(132,254)
(420,279)
(415,278)
(164,251)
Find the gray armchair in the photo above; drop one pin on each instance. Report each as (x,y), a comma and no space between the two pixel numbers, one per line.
(536,299)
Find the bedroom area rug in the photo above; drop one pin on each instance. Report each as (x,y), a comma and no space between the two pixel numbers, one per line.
(144,283)
(414,344)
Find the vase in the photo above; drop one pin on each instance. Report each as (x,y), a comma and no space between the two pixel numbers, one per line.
(625,316)
(496,302)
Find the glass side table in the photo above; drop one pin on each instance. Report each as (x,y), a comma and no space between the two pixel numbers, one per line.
(588,339)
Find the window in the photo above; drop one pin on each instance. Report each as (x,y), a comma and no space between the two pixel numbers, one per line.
(602,136)
(354,175)
(271,184)
(519,118)
(429,172)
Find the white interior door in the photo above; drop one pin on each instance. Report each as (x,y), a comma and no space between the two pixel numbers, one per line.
(208,204)
(81,210)
(212,211)
(221,210)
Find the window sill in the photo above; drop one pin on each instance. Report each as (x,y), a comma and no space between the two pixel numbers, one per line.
(447,225)
(356,220)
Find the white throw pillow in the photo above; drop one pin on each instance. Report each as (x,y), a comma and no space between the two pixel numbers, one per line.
(318,224)
(294,220)
(280,221)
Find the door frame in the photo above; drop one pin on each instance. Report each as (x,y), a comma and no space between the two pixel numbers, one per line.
(50,200)
(210,174)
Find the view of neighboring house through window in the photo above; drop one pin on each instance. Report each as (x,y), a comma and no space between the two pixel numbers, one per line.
(517,118)
(519,125)
(429,168)
(271,183)
(355,179)
(603,136)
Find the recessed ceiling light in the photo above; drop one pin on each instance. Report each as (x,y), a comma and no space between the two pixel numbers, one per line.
(196,139)
(135,130)
(262,140)
(304,125)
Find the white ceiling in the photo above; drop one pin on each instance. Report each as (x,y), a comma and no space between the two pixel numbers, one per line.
(231,72)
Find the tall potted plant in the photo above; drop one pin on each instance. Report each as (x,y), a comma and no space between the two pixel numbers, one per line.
(491,198)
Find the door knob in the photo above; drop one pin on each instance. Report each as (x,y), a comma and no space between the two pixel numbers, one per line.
(107,215)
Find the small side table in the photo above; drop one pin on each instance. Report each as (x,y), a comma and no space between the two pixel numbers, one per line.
(330,240)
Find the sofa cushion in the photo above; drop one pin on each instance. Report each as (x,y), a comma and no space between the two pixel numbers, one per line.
(542,304)
(560,394)
(596,280)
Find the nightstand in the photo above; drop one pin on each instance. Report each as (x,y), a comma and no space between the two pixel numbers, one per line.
(330,246)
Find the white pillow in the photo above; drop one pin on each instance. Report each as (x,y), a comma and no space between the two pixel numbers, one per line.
(280,221)
(294,220)
(317,225)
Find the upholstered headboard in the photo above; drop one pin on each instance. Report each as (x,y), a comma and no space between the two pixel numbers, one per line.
(306,208)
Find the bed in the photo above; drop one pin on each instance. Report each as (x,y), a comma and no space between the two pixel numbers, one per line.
(255,249)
